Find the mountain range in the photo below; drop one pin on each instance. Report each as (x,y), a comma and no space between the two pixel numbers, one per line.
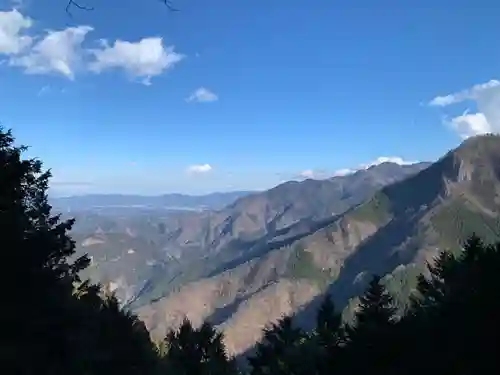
(212,201)
(276,252)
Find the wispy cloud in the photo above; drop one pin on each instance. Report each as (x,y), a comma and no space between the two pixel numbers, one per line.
(309,173)
(322,174)
(380,160)
(316,174)
(44,90)
(387,159)
(49,89)
(486,96)
(472,93)
(199,169)
(343,172)
(202,95)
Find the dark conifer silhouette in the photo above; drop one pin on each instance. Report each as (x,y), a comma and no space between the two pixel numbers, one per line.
(328,324)
(55,323)
(279,352)
(191,351)
(327,337)
(369,337)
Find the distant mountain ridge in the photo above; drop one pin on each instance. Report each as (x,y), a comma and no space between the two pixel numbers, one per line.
(213,201)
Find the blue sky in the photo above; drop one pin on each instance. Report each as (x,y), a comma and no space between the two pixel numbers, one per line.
(242,94)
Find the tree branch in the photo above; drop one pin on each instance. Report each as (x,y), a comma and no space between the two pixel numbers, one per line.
(75,3)
(169,5)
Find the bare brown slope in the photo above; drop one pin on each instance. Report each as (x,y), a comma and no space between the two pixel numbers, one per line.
(403,224)
(242,230)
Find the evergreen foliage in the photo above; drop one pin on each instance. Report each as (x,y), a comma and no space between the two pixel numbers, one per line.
(450,327)
(280,350)
(190,351)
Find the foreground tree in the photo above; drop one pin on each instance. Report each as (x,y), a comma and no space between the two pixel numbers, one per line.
(328,325)
(281,351)
(327,337)
(454,315)
(191,351)
(37,274)
(55,324)
(370,336)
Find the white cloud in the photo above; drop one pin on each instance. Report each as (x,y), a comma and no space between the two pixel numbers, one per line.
(12,26)
(469,94)
(320,174)
(57,52)
(380,160)
(470,124)
(343,172)
(486,120)
(143,60)
(309,173)
(202,95)
(61,51)
(199,168)
(317,174)
(387,159)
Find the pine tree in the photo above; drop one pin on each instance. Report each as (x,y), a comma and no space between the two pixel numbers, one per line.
(191,351)
(328,324)
(376,310)
(455,314)
(327,336)
(279,351)
(370,337)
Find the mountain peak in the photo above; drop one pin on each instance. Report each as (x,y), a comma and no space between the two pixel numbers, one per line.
(477,158)
(479,147)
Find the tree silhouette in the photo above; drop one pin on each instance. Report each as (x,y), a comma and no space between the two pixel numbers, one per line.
(455,313)
(56,324)
(328,324)
(327,337)
(370,336)
(38,277)
(191,351)
(280,349)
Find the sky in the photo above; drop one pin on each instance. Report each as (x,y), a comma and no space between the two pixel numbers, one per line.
(242,94)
